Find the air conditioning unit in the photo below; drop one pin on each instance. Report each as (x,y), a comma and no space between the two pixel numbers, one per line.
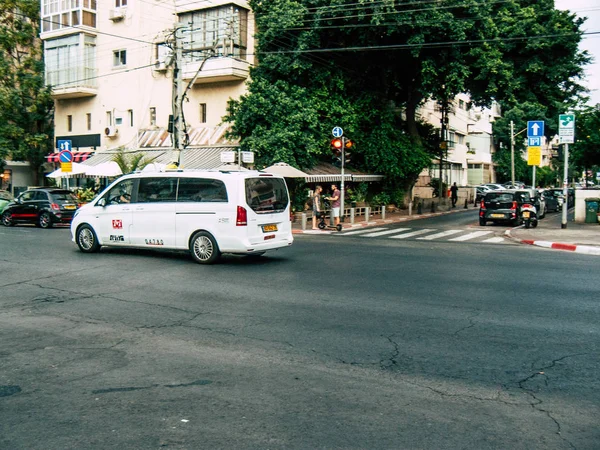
(111,132)
(160,66)
(117,14)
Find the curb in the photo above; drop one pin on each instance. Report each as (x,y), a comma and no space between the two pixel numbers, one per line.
(379,222)
(583,249)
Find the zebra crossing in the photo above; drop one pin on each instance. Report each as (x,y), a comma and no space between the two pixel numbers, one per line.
(428,234)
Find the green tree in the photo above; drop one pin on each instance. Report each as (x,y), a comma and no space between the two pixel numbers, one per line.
(130,162)
(368,66)
(586,149)
(26,128)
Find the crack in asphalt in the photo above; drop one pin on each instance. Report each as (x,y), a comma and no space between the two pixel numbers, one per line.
(535,404)
(142,388)
(471,324)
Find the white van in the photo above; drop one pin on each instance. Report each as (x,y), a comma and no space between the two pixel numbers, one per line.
(205,212)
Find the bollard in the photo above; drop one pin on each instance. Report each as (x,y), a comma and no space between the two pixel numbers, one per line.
(410,208)
(466,204)
(420,208)
(367,211)
(432,206)
(352,216)
(303,221)
(382,212)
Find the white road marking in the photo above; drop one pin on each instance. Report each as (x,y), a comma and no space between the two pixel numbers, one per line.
(414,233)
(494,240)
(440,235)
(383,233)
(473,235)
(366,230)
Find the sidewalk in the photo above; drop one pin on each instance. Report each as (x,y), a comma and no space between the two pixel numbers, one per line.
(398,216)
(577,237)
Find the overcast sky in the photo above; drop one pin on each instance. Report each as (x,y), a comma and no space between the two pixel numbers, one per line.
(591,43)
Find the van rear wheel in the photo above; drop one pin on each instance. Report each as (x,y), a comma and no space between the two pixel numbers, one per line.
(204,248)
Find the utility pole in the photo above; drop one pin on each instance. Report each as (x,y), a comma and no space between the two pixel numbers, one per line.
(443,145)
(512,152)
(178,122)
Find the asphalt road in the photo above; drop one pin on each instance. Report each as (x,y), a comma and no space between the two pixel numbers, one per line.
(332,343)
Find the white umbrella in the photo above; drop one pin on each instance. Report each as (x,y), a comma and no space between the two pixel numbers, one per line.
(285,170)
(105,169)
(77,169)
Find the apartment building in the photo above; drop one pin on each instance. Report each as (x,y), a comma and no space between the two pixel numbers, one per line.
(110,63)
(470,145)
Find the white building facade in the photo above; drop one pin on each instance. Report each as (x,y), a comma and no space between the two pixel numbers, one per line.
(110,63)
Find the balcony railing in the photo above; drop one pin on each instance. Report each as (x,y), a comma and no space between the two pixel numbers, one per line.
(73,82)
(217,69)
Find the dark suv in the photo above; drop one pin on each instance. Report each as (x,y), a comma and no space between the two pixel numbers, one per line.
(503,206)
(41,206)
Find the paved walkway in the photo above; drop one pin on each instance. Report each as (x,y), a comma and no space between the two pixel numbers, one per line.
(577,237)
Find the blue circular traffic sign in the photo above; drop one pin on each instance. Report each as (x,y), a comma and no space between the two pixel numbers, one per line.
(337,132)
(65,156)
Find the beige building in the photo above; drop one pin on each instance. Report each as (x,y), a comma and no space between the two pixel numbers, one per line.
(110,63)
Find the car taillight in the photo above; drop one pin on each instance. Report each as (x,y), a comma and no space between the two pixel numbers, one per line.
(482,205)
(242,217)
(514,206)
(55,207)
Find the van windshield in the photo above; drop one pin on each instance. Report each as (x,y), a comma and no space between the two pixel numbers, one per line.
(266,194)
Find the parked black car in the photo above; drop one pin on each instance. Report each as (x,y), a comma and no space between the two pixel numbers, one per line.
(552,199)
(503,206)
(41,206)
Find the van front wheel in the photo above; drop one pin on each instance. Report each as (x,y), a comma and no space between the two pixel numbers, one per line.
(204,248)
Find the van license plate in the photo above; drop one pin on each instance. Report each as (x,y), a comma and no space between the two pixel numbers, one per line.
(268,228)
(497,216)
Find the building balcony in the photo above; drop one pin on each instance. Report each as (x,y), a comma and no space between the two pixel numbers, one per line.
(217,70)
(73,82)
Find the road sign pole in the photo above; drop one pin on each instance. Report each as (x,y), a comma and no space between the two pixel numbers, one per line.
(342,184)
(533,177)
(565,189)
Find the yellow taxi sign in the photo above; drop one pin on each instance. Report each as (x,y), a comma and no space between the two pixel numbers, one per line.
(66,166)
(534,156)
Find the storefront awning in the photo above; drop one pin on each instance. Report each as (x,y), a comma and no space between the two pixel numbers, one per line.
(77,157)
(325,173)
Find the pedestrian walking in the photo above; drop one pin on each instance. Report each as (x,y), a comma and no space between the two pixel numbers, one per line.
(335,204)
(454,194)
(316,206)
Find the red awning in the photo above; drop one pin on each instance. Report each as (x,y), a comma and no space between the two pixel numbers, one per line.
(77,156)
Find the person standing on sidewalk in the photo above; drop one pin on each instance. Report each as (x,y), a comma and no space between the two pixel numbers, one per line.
(454,194)
(335,204)
(316,206)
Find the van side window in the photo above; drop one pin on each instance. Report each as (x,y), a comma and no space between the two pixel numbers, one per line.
(121,193)
(201,190)
(152,190)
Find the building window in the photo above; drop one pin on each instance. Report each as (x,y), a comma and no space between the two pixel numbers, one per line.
(152,116)
(61,14)
(461,104)
(118,121)
(89,121)
(71,61)
(109,121)
(119,58)
(69,123)
(130,115)
(120,3)
(225,27)
(202,112)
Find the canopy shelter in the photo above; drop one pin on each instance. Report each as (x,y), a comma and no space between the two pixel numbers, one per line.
(285,170)
(77,169)
(105,169)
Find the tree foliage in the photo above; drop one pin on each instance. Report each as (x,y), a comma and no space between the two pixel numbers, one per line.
(367,66)
(26,127)
(586,149)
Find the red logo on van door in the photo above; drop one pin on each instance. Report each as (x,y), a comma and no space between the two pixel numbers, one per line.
(117,224)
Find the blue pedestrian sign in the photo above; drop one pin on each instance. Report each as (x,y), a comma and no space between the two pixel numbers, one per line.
(535,128)
(337,132)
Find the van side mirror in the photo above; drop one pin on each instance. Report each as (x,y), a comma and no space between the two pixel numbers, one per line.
(101,202)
